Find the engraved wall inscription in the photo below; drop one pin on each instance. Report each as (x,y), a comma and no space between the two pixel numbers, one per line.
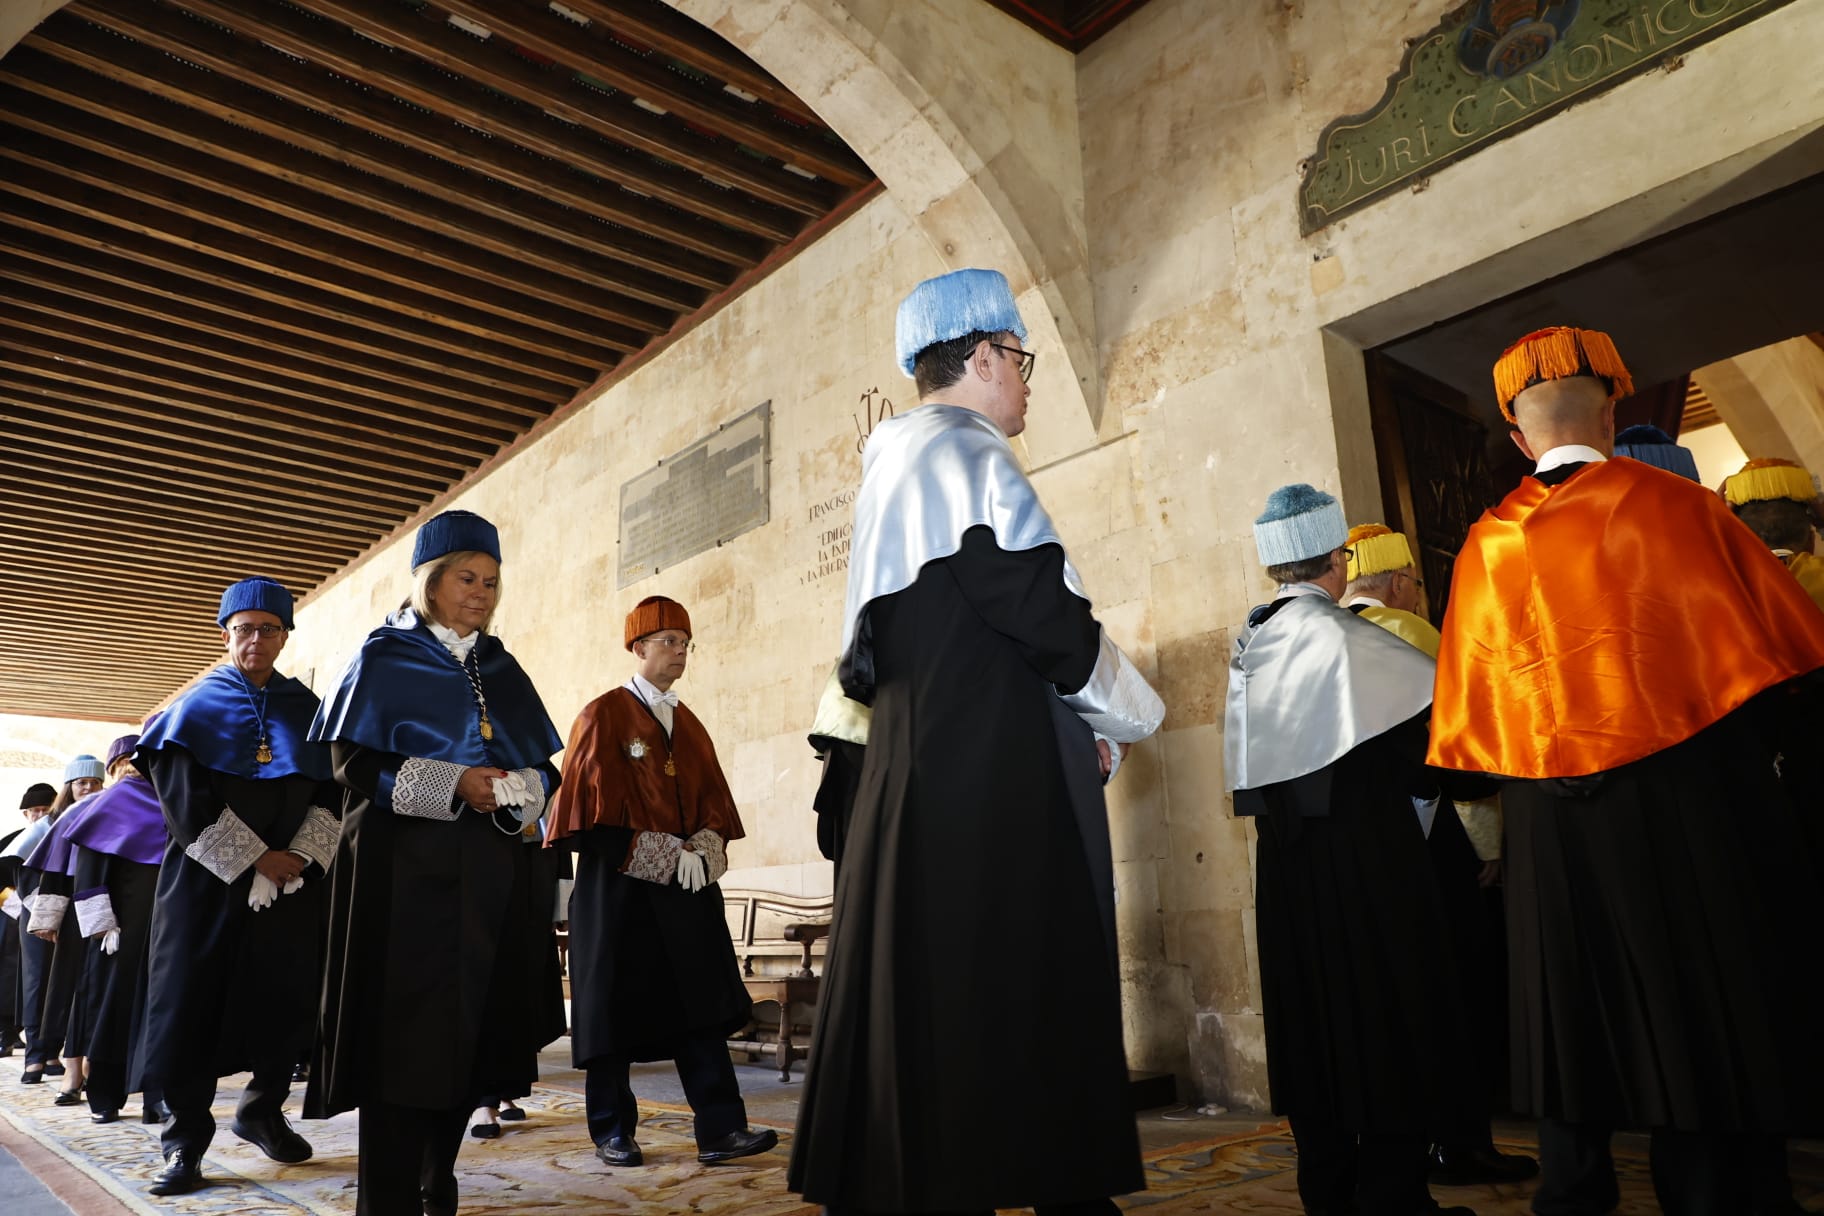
(701,497)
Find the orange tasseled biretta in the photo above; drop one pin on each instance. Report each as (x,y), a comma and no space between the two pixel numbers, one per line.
(1556,354)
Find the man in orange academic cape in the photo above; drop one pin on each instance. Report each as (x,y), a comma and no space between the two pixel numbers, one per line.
(652,969)
(1661,908)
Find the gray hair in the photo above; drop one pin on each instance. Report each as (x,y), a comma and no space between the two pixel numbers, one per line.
(1376,586)
(425,577)
(1306,570)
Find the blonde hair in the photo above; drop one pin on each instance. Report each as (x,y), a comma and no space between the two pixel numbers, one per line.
(425,577)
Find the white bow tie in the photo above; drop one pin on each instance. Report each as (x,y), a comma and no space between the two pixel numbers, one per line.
(665,698)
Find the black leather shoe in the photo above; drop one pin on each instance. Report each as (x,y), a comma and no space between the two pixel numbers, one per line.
(105,1116)
(53,1069)
(275,1138)
(182,1174)
(737,1144)
(32,1078)
(485,1131)
(155,1112)
(1479,1166)
(620,1150)
(69,1097)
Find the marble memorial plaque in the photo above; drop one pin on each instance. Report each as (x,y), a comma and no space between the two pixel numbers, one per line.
(696,499)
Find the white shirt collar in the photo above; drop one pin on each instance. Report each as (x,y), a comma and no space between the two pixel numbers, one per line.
(649,692)
(1294,590)
(456,644)
(1570,453)
(1367,600)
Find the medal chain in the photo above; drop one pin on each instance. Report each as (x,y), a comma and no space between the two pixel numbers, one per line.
(263,753)
(472,669)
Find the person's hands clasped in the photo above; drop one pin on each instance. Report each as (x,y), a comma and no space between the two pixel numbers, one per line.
(280,868)
(476,787)
(693,870)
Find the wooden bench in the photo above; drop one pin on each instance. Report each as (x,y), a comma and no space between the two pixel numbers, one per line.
(783,934)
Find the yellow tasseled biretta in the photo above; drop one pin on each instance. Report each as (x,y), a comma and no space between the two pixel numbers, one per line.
(1763,480)
(1557,354)
(1376,549)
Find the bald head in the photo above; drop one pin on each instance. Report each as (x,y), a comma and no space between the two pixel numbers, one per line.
(1555,413)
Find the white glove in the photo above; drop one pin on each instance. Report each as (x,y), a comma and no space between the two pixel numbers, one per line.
(262,893)
(110,941)
(511,790)
(693,871)
(293,885)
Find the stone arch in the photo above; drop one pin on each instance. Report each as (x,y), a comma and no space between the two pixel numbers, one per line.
(932,101)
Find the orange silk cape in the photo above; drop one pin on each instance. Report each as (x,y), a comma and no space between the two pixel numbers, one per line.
(1605,619)
(614,773)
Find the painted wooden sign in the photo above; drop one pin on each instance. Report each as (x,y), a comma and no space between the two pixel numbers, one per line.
(1490,69)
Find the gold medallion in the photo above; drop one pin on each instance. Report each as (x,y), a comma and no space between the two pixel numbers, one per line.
(671,770)
(264,755)
(487,727)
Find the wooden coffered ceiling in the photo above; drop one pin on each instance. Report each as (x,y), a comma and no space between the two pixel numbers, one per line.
(274,277)
(1072,24)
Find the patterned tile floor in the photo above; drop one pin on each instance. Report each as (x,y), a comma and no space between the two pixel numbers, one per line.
(1195,1164)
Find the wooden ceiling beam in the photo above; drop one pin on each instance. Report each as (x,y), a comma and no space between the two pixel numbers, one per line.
(151,533)
(41,633)
(195,612)
(95,578)
(80,270)
(36,314)
(150,445)
(57,184)
(440,447)
(652,24)
(60,466)
(269,538)
(249,362)
(35,78)
(48,134)
(205,570)
(275,446)
(488,86)
(487,145)
(216,274)
(82,535)
(615,116)
(192,318)
(71,44)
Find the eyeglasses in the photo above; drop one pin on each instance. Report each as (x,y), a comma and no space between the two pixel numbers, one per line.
(247,631)
(1416,580)
(1027,360)
(672,641)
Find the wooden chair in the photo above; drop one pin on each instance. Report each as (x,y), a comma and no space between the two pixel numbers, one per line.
(777,930)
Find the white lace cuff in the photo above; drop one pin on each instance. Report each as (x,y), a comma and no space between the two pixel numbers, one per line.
(426,789)
(95,913)
(316,837)
(227,847)
(1482,822)
(714,851)
(1117,702)
(47,913)
(654,857)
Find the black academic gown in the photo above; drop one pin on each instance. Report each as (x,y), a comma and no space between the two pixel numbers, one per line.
(1366,1032)
(968,1047)
(9,946)
(1663,940)
(114,984)
(63,1015)
(431,997)
(836,791)
(229,989)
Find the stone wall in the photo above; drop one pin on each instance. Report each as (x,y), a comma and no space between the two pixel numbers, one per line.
(35,748)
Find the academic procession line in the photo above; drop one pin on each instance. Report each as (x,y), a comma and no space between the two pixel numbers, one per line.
(1603,766)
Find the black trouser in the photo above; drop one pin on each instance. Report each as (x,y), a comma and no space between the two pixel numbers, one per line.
(10,1022)
(1375,1174)
(192,1125)
(408,1160)
(709,1086)
(34,976)
(1694,1173)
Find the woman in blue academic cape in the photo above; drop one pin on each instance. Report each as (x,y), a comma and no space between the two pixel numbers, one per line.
(430,999)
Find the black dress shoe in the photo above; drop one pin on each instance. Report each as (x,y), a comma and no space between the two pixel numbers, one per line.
(737,1144)
(32,1078)
(155,1112)
(53,1069)
(620,1150)
(275,1138)
(510,1113)
(1479,1166)
(182,1174)
(105,1116)
(69,1097)
(485,1131)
